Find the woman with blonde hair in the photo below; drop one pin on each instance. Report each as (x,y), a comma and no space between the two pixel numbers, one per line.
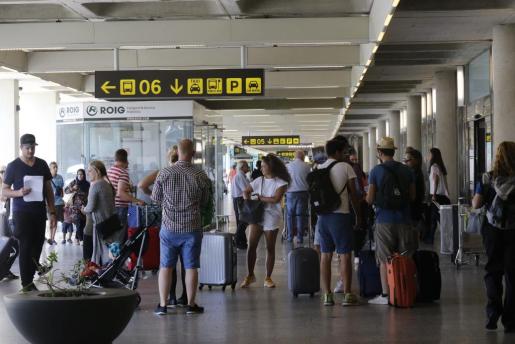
(101,206)
(496,192)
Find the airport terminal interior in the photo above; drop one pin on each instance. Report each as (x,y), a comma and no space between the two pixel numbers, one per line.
(246,78)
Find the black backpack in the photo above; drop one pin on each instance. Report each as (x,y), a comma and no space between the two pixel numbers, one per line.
(393,193)
(324,199)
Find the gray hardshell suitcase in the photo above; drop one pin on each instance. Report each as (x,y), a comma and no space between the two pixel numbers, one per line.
(218,260)
(303,271)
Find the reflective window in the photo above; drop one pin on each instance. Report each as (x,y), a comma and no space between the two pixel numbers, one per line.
(479,77)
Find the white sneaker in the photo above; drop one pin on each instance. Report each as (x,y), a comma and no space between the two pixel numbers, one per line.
(379,300)
(339,287)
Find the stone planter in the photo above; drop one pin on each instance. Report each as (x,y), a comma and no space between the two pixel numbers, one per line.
(98,317)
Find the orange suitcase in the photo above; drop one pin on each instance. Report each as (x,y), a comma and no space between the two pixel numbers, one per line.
(402,280)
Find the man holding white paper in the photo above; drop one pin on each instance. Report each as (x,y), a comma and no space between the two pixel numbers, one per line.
(27,181)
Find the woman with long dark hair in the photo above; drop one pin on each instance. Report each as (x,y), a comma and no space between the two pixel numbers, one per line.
(79,189)
(438,190)
(496,192)
(269,189)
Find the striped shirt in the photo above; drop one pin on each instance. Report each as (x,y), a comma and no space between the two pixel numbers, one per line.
(115,175)
(182,190)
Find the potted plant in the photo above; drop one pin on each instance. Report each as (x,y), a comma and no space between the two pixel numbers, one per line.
(69,311)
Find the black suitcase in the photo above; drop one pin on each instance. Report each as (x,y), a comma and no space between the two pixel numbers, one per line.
(303,271)
(8,254)
(429,278)
(368,274)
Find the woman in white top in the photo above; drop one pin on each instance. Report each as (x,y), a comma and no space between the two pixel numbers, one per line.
(270,190)
(438,190)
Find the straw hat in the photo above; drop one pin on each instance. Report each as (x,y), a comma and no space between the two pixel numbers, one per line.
(386,143)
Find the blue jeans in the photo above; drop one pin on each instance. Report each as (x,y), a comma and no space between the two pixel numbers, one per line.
(297,214)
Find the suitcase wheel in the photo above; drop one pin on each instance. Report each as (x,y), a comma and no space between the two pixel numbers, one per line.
(210,287)
(312,294)
(200,287)
(138,299)
(223,288)
(233,286)
(295,295)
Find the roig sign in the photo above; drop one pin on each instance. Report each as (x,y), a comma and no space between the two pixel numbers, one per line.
(93,110)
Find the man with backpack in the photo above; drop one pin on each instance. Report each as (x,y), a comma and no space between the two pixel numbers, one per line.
(391,188)
(331,185)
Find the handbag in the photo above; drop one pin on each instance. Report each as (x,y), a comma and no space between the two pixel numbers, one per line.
(476,221)
(108,227)
(252,211)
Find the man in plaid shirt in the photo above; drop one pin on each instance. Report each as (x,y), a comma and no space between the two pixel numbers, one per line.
(182,190)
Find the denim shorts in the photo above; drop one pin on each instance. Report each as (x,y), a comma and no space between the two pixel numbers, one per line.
(187,245)
(335,233)
(67,227)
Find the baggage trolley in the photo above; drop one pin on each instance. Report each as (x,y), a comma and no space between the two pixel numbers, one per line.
(469,245)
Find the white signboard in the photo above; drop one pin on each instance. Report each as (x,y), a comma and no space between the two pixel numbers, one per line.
(124,110)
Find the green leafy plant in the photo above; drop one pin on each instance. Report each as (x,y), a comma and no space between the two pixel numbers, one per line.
(61,284)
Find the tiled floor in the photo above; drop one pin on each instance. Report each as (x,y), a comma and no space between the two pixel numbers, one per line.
(259,315)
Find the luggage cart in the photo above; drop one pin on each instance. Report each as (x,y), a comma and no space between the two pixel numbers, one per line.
(469,245)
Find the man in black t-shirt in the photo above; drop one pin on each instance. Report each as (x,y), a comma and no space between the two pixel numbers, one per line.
(27,182)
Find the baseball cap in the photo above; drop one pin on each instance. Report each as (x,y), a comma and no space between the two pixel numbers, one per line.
(28,139)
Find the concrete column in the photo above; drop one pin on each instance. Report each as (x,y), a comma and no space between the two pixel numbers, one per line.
(9,133)
(394,121)
(381,129)
(373,147)
(37,116)
(503,50)
(366,152)
(446,127)
(414,122)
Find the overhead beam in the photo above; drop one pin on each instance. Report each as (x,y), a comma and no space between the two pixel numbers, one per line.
(91,60)
(95,35)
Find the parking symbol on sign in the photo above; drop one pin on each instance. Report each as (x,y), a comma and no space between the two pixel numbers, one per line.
(234,86)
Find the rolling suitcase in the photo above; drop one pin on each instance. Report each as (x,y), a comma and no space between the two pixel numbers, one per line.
(429,279)
(218,260)
(402,280)
(8,254)
(303,271)
(141,216)
(368,274)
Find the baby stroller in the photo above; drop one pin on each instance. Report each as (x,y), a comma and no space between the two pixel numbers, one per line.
(116,274)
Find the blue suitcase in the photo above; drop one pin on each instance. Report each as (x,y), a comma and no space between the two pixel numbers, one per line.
(368,274)
(143,216)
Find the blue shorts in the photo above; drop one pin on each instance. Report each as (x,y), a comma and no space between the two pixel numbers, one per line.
(187,245)
(335,233)
(67,227)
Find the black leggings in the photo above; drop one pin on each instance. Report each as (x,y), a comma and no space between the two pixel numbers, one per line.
(173,286)
(500,249)
(87,247)
(29,229)
(80,224)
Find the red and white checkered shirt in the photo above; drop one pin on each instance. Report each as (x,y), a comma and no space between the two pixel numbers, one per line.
(181,189)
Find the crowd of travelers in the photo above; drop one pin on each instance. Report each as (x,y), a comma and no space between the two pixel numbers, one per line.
(37,193)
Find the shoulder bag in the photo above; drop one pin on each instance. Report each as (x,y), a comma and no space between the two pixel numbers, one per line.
(252,211)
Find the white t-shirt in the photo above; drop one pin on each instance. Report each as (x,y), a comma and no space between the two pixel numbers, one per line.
(442,185)
(273,216)
(341,173)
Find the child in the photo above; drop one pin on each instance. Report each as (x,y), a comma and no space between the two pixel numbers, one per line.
(67,224)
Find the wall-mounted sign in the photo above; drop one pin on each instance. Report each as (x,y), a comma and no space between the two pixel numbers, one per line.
(179,84)
(94,111)
(286,154)
(270,140)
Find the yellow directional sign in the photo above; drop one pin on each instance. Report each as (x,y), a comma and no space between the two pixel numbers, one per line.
(189,84)
(176,88)
(106,88)
(270,140)
(286,154)
(195,86)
